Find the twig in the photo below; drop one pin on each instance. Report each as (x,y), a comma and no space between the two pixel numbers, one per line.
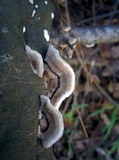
(66,105)
(98,17)
(93,8)
(82,124)
(115,7)
(67,13)
(110,99)
(79,116)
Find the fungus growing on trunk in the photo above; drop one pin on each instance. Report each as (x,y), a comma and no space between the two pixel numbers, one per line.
(50,123)
(59,77)
(60,82)
(36,61)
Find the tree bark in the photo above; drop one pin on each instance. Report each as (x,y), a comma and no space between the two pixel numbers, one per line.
(19,86)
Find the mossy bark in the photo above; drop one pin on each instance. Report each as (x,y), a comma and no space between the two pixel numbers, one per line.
(19,86)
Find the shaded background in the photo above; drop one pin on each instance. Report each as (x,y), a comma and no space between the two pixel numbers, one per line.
(91,114)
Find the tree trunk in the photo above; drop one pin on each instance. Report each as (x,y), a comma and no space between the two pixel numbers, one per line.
(19,86)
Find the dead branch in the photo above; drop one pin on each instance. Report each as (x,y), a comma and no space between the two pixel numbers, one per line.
(97,34)
(88,35)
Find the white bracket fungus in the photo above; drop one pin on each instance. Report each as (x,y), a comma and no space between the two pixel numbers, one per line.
(51,124)
(36,61)
(59,77)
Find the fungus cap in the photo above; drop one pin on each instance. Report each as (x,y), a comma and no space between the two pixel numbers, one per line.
(59,77)
(51,124)
(36,61)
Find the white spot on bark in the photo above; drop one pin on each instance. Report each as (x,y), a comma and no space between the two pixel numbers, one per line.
(1,93)
(46,2)
(5,58)
(4,30)
(46,35)
(31,1)
(36,6)
(52,15)
(33,13)
(24,29)
(38,18)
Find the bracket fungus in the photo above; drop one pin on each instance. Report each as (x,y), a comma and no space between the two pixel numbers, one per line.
(59,77)
(36,61)
(60,83)
(51,126)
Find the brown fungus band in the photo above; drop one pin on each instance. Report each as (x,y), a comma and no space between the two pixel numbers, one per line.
(43,122)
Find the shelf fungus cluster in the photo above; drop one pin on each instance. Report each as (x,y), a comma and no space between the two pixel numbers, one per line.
(59,80)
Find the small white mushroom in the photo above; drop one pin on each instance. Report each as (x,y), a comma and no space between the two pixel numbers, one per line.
(66,28)
(36,61)
(59,77)
(90,45)
(51,124)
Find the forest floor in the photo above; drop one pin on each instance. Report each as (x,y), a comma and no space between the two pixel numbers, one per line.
(91,113)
